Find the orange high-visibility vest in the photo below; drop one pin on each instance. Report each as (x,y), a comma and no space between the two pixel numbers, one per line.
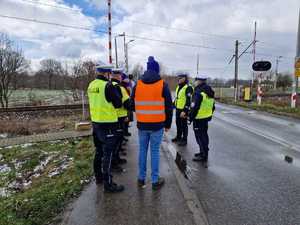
(149,103)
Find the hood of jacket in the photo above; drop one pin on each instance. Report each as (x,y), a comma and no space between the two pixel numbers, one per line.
(207,90)
(150,77)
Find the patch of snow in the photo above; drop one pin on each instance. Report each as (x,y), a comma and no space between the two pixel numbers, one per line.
(15,185)
(5,168)
(43,164)
(26,145)
(18,164)
(64,165)
(10,147)
(4,192)
(26,184)
(4,135)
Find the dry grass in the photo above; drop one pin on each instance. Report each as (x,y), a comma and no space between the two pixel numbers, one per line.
(27,126)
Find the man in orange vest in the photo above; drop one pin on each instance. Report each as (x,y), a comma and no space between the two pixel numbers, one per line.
(152,103)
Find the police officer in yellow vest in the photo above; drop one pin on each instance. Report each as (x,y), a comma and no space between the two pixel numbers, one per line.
(122,112)
(182,104)
(202,108)
(104,100)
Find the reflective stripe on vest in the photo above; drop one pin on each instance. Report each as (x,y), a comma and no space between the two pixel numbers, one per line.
(149,103)
(101,110)
(206,107)
(122,112)
(180,97)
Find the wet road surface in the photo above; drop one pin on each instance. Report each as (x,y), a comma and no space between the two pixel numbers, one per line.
(248,182)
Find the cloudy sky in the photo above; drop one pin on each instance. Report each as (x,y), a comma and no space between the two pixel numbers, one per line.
(174,31)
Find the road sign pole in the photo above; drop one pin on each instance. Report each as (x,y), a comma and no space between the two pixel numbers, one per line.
(297,68)
(259,91)
(236,71)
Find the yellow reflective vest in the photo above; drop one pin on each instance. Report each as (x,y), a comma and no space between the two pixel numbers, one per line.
(101,110)
(122,112)
(206,107)
(180,99)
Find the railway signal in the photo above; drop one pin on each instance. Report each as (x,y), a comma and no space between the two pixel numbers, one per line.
(261,67)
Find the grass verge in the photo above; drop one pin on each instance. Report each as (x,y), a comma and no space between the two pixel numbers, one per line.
(266,107)
(37,181)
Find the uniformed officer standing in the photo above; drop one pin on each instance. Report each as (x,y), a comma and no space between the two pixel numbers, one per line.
(182,103)
(122,117)
(104,100)
(202,108)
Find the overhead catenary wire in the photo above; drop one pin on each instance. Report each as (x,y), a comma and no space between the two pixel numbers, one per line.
(51,5)
(155,25)
(105,32)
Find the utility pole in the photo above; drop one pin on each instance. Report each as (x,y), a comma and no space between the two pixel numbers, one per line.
(116,51)
(276,71)
(109,32)
(197,64)
(126,55)
(124,36)
(295,85)
(116,48)
(236,68)
(254,55)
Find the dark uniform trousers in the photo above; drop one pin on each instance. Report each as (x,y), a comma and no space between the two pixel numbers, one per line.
(181,125)
(120,137)
(105,141)
(200,130)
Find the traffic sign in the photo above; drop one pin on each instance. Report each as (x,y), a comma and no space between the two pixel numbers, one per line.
(297,64)
(261,66)
(297,72)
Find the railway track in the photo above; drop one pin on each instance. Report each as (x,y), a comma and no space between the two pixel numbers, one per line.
(42,108)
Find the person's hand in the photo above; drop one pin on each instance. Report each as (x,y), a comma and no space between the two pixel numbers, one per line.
(182,115)
(167,129)
(126,119)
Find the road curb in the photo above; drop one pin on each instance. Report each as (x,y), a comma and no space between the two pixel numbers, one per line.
(189,195)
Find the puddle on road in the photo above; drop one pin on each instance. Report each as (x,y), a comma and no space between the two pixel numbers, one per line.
(282,157)
(221,172)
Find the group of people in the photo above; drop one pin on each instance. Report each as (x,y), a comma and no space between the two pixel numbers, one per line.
(113,97)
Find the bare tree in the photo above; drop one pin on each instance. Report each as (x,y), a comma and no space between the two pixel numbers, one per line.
(12,62)
(83,72)
(137,71)
(51,68)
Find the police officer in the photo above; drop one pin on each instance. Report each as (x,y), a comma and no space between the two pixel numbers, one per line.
(104,100)
(182,104)
(202,108)
(122,112)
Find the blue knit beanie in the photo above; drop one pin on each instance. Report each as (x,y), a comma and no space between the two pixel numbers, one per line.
(152,64)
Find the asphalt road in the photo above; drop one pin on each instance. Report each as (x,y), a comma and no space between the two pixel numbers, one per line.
(248,182)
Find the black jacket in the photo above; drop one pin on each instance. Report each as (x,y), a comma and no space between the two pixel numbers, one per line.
(112,95)
(151,77)
(126,104)
(197,99)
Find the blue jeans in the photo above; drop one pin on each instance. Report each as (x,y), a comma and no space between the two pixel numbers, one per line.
(154,138)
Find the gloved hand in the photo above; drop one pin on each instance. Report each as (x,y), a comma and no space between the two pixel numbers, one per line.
(183,115)
(189,121)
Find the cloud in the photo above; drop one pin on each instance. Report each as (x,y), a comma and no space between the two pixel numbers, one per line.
(47,41)
(212,23)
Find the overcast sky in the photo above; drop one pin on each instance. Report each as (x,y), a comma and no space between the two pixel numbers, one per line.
(205,27)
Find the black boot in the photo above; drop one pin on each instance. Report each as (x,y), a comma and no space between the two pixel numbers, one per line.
(199,157)
(158,185)
(122,161)
(99,180)
(182,143)
(205,160)
(115,168)
(113,188)
(176,139)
